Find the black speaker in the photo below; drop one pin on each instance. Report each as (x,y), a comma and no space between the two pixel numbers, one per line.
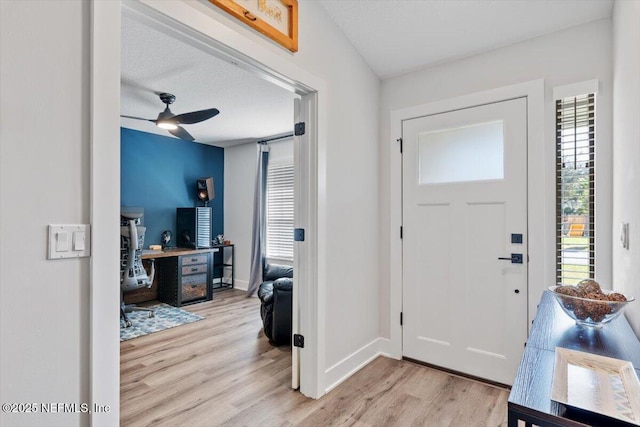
(204,188)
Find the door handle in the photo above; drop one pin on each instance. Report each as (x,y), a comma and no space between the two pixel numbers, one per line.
(514,258)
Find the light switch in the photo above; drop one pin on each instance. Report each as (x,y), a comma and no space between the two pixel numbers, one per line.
(69,241)
(62,241)
(78,240)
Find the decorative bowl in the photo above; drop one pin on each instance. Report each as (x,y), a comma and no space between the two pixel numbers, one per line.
(587,311)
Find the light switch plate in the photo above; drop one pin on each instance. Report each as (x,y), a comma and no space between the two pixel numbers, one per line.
(69,234)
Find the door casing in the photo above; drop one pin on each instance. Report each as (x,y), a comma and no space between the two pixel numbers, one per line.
(539,187)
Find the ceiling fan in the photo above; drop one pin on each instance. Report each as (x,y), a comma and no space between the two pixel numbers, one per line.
(171,122)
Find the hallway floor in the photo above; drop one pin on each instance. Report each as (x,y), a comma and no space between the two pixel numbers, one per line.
(223,371)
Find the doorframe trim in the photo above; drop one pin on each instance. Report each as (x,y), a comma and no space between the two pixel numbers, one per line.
(540,214)
(104,204)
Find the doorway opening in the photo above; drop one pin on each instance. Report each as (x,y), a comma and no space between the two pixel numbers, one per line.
(305,154)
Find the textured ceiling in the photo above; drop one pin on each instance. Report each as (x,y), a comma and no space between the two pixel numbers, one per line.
(393,36)
(152,62)
(398,36)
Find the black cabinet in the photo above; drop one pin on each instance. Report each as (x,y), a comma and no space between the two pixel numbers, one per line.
(184,279)
(193,226)
(223,272)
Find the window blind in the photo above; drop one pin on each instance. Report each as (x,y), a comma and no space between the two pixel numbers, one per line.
(280,211)
(575,185)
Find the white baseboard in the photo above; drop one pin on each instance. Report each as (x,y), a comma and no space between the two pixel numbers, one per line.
(242,285)
(354,362)
(386,349)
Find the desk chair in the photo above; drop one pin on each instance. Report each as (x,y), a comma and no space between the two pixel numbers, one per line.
(132,273)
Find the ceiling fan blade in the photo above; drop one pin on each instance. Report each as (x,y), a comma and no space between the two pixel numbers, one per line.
(196,116)
(181,133)
(138,118)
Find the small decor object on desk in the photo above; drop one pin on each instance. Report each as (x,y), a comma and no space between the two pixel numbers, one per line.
(166,238)
(588,304)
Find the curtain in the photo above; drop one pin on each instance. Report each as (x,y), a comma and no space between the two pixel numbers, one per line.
(258,240)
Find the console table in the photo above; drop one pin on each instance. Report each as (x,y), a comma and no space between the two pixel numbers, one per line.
(530,397)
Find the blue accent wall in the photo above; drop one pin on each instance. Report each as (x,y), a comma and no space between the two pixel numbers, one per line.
(159,174)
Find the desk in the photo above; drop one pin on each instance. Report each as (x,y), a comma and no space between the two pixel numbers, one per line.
(148,254)
(530,397)
(172,264)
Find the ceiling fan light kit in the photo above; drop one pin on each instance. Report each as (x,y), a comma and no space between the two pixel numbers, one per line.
(171,122)
(166,125)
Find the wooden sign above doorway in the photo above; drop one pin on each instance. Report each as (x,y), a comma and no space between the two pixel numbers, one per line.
(276,19)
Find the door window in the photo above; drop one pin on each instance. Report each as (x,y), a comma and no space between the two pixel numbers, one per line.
(462,154)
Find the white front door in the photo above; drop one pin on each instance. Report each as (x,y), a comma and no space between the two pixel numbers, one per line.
(464,202)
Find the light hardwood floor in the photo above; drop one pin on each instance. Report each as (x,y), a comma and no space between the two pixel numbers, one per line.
(223,371)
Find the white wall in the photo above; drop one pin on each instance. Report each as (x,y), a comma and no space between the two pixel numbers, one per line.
(44,179)
(574,55)
(239,182)
(626,147)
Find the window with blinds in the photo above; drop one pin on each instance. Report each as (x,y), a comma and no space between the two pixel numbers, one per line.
(280,211)
(575,195)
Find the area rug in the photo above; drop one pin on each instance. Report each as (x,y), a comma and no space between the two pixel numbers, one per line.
(165,317)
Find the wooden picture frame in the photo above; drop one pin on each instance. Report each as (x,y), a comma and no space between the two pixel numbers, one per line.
(276,19)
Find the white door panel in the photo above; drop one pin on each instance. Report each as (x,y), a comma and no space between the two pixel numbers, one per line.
(464,193)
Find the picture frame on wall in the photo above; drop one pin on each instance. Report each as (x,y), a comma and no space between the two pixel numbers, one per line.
(276,19)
